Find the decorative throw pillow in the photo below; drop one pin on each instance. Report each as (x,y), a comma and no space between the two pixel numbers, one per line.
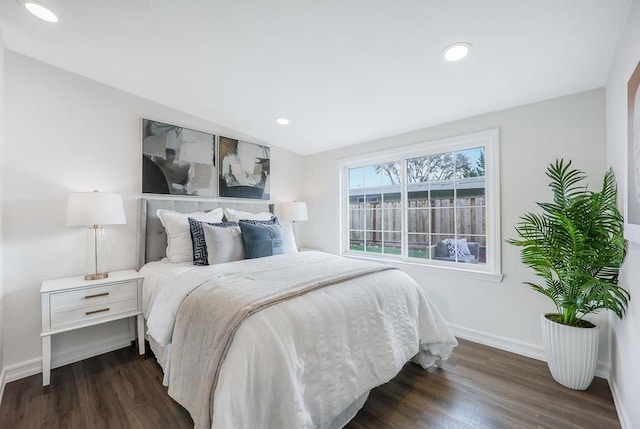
(176,225)
(464,247)
(198,241)
(457,248)
(261,240)
(451,246)
(273,221)
(224,243)
(237,215)
(289,244)
(442,249)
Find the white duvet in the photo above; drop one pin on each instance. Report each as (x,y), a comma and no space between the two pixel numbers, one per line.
(308,362)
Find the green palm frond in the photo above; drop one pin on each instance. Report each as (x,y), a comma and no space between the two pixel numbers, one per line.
(564,181)
(576,245)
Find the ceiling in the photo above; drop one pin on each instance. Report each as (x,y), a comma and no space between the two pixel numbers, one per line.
(343,72)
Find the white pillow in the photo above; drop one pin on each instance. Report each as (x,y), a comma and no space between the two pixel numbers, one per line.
(288,239)
(236,215)
(224,244)
(464,247)
(176,225)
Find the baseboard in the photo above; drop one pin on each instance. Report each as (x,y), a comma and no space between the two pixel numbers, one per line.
(34,366)
(23,369)
(2,384)
(533,351)
(617,400)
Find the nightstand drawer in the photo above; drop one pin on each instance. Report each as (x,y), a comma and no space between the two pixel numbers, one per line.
(61,319)
(90,297)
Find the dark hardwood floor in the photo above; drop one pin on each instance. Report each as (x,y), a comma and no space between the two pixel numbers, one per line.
(479,387)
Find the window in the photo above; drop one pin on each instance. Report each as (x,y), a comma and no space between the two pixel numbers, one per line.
(435,203)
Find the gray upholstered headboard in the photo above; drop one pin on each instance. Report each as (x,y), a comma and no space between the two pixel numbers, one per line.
(152,240)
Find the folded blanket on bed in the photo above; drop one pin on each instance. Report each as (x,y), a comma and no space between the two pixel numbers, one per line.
(211,315)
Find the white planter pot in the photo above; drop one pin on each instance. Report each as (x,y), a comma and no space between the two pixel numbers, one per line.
(572,353)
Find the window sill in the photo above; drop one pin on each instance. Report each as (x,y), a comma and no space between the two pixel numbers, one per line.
(471,274)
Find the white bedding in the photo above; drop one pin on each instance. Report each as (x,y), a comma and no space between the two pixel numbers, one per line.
(310,361)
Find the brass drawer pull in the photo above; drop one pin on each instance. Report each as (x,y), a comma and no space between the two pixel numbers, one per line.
(97,311)
(96,295)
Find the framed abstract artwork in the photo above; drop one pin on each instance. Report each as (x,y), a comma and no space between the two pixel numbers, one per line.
(244,169)
(177,160)
(632,204)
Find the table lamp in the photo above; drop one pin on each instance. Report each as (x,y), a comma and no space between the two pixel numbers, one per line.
(95,209)
(292,212)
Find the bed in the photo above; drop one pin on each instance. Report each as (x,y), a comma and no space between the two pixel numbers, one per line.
(288,341)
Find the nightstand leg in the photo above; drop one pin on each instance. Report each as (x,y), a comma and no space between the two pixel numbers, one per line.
(46,360)
(140,334)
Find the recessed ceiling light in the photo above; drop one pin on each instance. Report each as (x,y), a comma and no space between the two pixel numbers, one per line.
(40,10)
(456,52)
(282,121)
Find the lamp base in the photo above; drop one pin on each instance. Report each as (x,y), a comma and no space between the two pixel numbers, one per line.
(97,276)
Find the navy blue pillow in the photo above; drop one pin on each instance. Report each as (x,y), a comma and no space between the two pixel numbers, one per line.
(273,221)
(200,254)
(261,239)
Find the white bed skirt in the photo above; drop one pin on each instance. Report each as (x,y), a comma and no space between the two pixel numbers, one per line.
(163,356)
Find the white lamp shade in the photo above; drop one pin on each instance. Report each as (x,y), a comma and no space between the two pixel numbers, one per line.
(95,208)
(293,211)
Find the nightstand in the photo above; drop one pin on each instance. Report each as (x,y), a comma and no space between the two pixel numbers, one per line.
(73,303)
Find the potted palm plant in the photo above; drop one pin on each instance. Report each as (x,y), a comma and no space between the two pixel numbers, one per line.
(576,245)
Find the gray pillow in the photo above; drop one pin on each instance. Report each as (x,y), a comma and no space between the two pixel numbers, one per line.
(442,250)
(224,244)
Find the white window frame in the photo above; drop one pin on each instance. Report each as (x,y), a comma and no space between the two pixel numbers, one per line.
(490,140)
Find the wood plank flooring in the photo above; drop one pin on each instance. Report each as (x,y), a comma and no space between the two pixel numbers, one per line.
(479,387)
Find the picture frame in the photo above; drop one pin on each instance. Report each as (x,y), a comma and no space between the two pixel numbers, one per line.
(632,200)
(177,160)
(245,169)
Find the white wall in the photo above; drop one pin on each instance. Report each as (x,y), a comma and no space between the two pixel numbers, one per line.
(625,336)
(504,314)
(66,133)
